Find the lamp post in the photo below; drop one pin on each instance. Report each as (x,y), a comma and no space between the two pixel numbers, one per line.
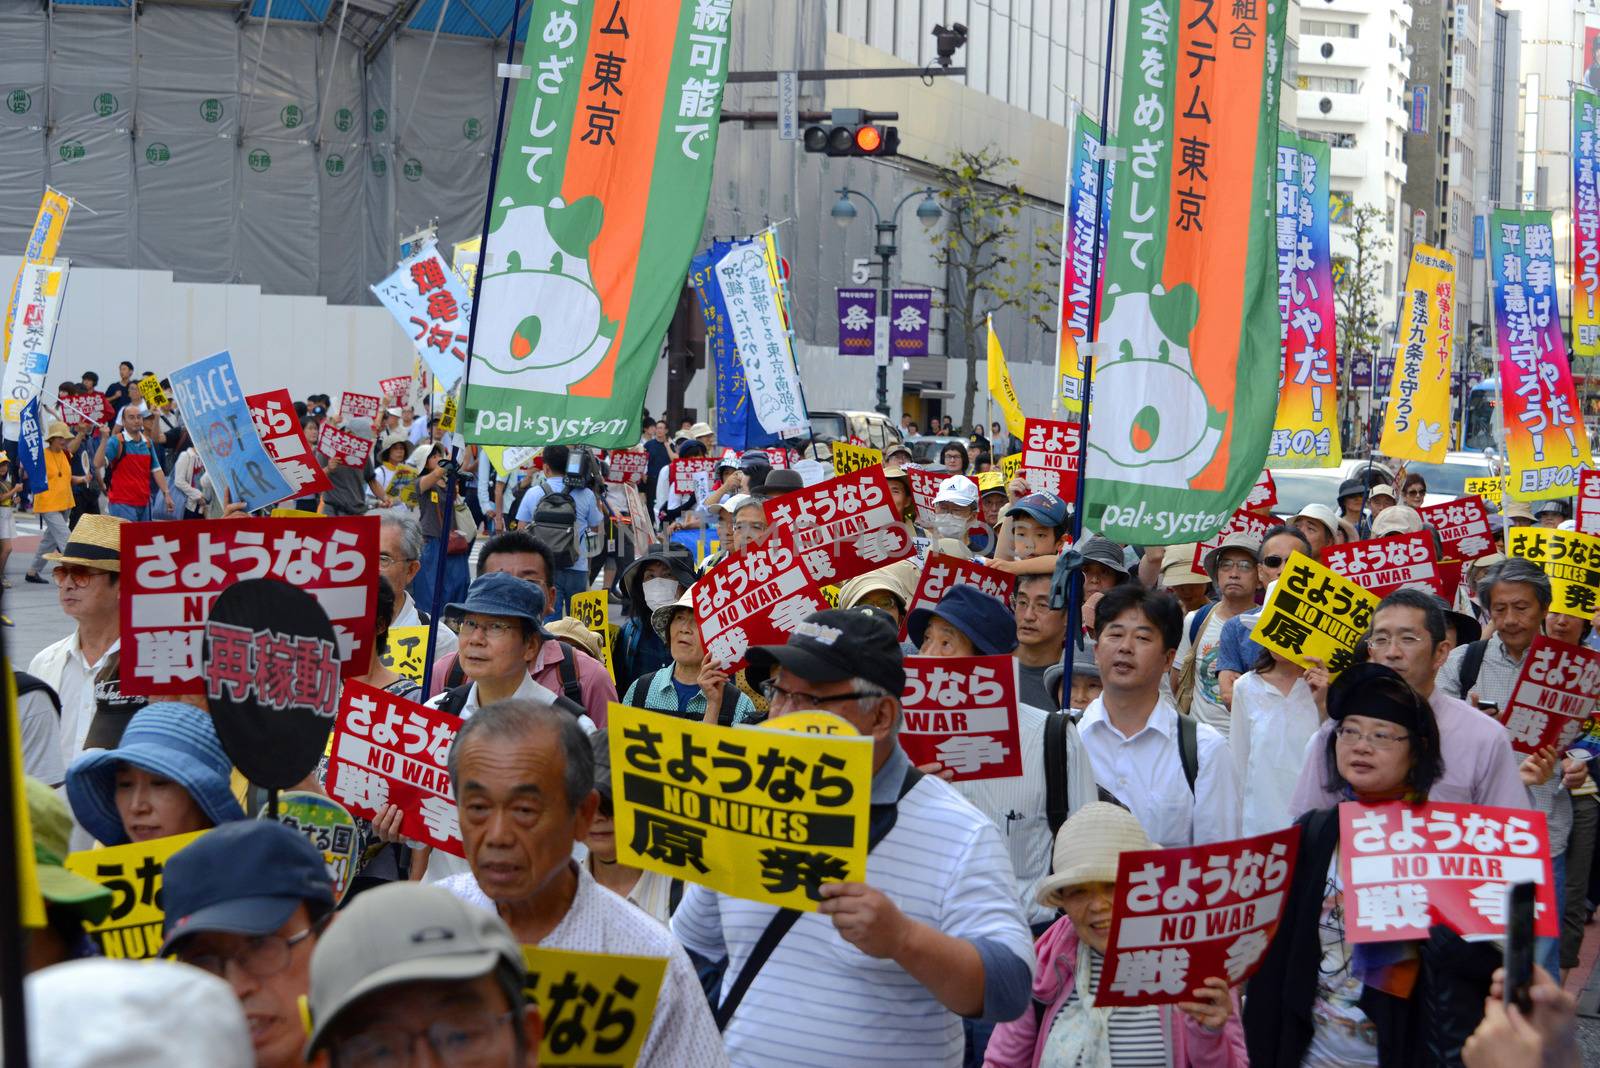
(928,213)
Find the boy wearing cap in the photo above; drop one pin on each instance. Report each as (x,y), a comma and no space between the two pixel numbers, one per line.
(1032,532)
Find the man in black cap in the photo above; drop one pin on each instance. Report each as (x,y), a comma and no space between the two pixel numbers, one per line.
(246,902)
(934,934)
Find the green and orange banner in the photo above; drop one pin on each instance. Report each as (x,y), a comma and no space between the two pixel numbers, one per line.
(1188,330)
(1417,425)
(599,203)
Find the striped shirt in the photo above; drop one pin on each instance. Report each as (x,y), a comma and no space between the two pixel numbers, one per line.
(819,1001)
(1138,1040)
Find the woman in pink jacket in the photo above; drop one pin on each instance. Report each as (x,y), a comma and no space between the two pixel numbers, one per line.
(1063,1029)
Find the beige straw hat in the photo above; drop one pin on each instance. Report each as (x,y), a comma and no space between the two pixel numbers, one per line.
(1087,848)
(575,633)
(95,542)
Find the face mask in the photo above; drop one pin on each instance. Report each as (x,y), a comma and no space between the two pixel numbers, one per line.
(660,592)
(949,526)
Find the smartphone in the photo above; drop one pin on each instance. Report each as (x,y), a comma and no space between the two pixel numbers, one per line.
(1490,707)
(1519,946)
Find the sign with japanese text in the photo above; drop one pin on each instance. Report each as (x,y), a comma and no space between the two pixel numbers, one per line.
(910,318)
(285,441)
(1546,441)
(89,408)
(686,475)
(218,419)
(359,405)
(1585,220)
(961,711)
(1182,916)
(407,654)
(1491,489)
(330,829)
(1418,423)
(390,751)
(1588,517)
(1242,522)
(172,571)
(132,929)
(753,294)
(1263,495)
(766,815)
(941,574)
(924,487)
(1050,456)
(757,597)
(590,609)
(848,458)
(596,1008)
(1463,528)
(1078,253)
(1554,694)
(397,388)
(1571,559)
(736,422)
(1011,466)
(600,199)
(1383,565)
(777,457)
(43,240)
(343,446)
(1314,612)
(155,398)
(843,527)
(1407,867)
(858,313)
(434,307)
(41,289)
(627,466)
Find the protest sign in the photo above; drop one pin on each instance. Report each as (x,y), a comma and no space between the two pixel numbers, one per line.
(285,441)
(1571,559)
(777,457)
(42,288)
(172,571)
(1182,916)
(627,466)
(344,446)
(154,396)
(1418,422)
(941,574)
(591,609)
(767,815)
(812,722)
(1554,693)
(1050,456)
(1010,466)
(596,1008)
(397,388)
(359,406)
(218,420)
(757,597)
(1588,517)
(843,527)
(390,751)
(433,306)
(1314,612)
(408,652)
(1463,528)
(1263,495)
(848,458)
(924,487)
(1242,522)
(330,829)
(1407,867)
(132,929)
(1383,565)
(447,417)
(685,475)
(84,409)
(752,290)
(961,711)
(1491,490)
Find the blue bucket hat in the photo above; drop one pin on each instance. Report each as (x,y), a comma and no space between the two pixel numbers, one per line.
(986,622)
(170,739)
(500,594)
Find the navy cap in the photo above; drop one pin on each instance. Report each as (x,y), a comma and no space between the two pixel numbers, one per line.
(755,458)
(1047,508)
(986,622)
(834,645)
(501,594)
(244,877)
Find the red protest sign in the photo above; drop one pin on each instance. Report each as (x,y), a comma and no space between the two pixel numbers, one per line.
(172,571)
(778,456)
(280,432)
(1463,526)
(924,486)
(941,574)
(389,751)
(359,406)
(962,712)
(1383,565)
(1588,501)
(343,445)
(1263,495)
(1182,916)
(85,409)
(757,597)
(1554,693)
(843,527)
(1242,522)
(626,466)
(685,473)
(1407,867)
(396,388)
(1050,456)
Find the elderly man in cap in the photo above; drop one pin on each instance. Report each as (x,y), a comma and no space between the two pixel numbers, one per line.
(523,777)
(411,964)
(1233,568)
(1320,526)
(246,902)
(955,506)
(779,481)
(887,968)
(54,505)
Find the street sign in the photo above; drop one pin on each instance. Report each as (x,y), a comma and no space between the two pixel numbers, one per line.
(788,105)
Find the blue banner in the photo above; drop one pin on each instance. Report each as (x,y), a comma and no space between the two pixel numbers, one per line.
(737,425)
(218,418)
(30,446)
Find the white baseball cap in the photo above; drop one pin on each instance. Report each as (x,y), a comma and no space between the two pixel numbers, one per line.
(958,490)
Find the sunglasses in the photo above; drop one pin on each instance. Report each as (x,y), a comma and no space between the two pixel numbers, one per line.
(1274,561)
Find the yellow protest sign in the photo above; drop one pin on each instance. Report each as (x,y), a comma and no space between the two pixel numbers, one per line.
(1010,465)
(831,595)
(447,421)
(1000,387)
(590,610)
(32,902)
(596,1007)
(1492,490)
(1418,422)
(848,458)
(408,652)
(294,513)
(132,873)
(154,395)
(813,723)
(1314,612)
(767,815)
(1571,559)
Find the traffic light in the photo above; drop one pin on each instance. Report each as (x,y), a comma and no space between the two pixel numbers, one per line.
(850,133)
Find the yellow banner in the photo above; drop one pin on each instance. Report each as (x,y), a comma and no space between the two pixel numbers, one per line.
(154,395)
(447,421)
(766,815)
(848,458)
(1417,426)
(596,1008)
(1010,465)
(43,240)
(133,875)
(408,652)
(1492,490)
(1314,612)
(1572,561)
(21,826)
(1000,387)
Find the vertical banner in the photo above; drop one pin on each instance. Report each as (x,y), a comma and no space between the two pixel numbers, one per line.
(43,240)
(1189,324)
(1585,223)
(857,320)
(30,440)
(600,198)
(218,418)
(1078,254)
(755,311)
(910,315)
(1418,423)
(1546,440)
(43,286)
(1000,387)
(1306,433)
(433,306)
(737,425)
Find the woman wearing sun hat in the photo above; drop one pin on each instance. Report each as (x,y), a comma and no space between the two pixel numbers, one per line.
(168,775)
(690,687)
(1063,1027)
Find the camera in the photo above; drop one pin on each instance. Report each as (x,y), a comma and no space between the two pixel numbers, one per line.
(946,41)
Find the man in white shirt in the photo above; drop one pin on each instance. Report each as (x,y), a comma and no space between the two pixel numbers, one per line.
(399,558)
(1182,795)
(1232,567)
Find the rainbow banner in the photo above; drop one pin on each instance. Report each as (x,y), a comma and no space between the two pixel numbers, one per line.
(599,203)
(1585,223)
(1417,426)
(1188,331)
(1077,253)
(1306,432)
(1546,440)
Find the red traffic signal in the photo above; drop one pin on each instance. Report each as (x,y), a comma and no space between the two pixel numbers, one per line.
(853,139)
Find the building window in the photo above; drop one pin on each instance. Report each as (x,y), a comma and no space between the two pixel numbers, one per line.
(1324,28)
(1331,85)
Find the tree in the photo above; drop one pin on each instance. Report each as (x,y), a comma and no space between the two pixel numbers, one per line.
(982,252)
(1358,299)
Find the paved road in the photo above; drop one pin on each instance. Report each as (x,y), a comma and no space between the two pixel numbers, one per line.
(33,609)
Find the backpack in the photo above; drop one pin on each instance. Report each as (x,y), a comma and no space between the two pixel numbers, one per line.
(555,522)
(1471,664)
(1055,764)
(1183,696)
(571,688)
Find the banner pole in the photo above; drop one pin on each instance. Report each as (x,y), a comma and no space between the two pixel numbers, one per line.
(447,521)
(14,1021)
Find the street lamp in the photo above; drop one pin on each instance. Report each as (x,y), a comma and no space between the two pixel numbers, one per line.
(928,214)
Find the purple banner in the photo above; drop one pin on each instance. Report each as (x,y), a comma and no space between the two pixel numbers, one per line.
(858,311)
(1361,371)
(910,311)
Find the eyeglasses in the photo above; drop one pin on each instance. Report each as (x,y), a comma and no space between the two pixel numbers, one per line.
(385,560)
(262,956)
(1416,493)
(1407,642)
(66,574)
(750,528)
(1236,563)
(1378,739)
(776,694)
(1274,560)
(462,1041)
(495,628)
